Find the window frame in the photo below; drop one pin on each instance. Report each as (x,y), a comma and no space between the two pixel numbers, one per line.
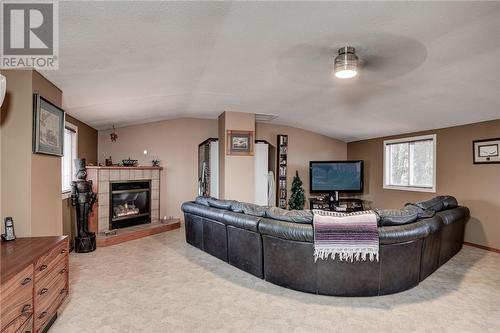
(66,194)
(385,168)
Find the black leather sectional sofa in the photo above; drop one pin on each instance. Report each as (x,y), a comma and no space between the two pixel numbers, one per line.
(281,252)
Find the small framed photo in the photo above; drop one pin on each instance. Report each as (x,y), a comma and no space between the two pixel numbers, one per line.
(239,143)
(48,127)
(486,151)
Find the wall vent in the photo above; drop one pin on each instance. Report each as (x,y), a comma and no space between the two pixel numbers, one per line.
(262,117)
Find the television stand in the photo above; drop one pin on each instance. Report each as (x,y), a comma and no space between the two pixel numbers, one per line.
(341,205)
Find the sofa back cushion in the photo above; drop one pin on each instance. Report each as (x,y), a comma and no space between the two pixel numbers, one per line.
(389,217)
(295,216)
(438,203)
(435,204)
(221,204)
(449,202)
(253,209)
(200,200)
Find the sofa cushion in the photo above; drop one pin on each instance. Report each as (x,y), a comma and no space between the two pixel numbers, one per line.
(408,232)
(287,230)
(248,208)
(396,216)
(253,209)
(449,201)
(200,210)
(435,204)
(421,213)
(237,206)
(240,220)
(202,200)
(454,215)
(296,216)
(221,204)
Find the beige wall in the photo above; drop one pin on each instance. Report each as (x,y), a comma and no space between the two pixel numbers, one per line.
(303,146)
(16,150)
(31,183)
(237,172)
(175,142)
(87,140)
(46,205)
(475,186)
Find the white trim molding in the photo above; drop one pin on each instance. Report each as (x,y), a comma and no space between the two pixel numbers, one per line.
(386,143)
(66,194)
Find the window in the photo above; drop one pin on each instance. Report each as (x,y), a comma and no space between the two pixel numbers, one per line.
(410,164)
(70,154)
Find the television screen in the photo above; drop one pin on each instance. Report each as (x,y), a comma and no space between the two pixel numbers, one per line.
(330,176)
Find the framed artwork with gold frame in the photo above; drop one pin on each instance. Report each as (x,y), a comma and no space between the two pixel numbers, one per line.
(239,143)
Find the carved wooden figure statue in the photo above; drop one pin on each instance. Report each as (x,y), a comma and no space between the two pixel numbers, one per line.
(83,199)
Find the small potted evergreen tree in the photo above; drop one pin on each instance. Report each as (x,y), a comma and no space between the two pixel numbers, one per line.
(297,199)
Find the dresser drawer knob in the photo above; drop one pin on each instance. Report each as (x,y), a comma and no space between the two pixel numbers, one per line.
(63,290)
(41,268)
(62,271)
(43,314)
(26,308)
(43,291)
(26,281)
(63,251)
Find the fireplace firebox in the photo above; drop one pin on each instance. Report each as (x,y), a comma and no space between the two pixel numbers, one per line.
(130,203)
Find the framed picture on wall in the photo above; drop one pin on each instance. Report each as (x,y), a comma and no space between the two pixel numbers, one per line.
(48,127)
(239,142)
(486,151)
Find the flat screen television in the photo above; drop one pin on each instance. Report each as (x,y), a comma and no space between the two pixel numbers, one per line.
(335,176)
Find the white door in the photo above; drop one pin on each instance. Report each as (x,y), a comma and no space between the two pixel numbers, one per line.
(214,169)
(261,173)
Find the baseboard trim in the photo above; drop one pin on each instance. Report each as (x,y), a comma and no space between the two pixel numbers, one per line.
(487,248)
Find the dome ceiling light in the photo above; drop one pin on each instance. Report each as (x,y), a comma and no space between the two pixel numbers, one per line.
(346,64)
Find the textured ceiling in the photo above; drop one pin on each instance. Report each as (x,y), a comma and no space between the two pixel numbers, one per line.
(425,64)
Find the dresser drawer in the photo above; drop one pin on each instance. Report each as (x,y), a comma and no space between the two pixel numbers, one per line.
(47,289)
(17,297)
(27,327)
(22,324)
(48,307)
(46,263)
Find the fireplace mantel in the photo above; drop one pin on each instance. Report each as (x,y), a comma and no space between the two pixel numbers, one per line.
(140,167)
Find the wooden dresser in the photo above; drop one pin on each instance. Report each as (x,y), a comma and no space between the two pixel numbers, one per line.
(34,282)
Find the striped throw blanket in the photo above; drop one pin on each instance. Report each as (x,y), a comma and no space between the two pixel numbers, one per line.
(353,237)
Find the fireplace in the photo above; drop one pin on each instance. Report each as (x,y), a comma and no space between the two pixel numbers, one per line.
(130,203)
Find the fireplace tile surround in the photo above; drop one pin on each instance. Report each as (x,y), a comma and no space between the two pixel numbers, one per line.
(103,176)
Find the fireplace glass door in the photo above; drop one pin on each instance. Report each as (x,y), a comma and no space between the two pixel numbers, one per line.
(130,203)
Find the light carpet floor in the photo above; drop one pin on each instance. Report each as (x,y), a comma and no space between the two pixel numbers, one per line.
(161,284)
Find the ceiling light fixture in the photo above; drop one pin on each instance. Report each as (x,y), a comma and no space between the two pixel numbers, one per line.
(346,63)
(113,135)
